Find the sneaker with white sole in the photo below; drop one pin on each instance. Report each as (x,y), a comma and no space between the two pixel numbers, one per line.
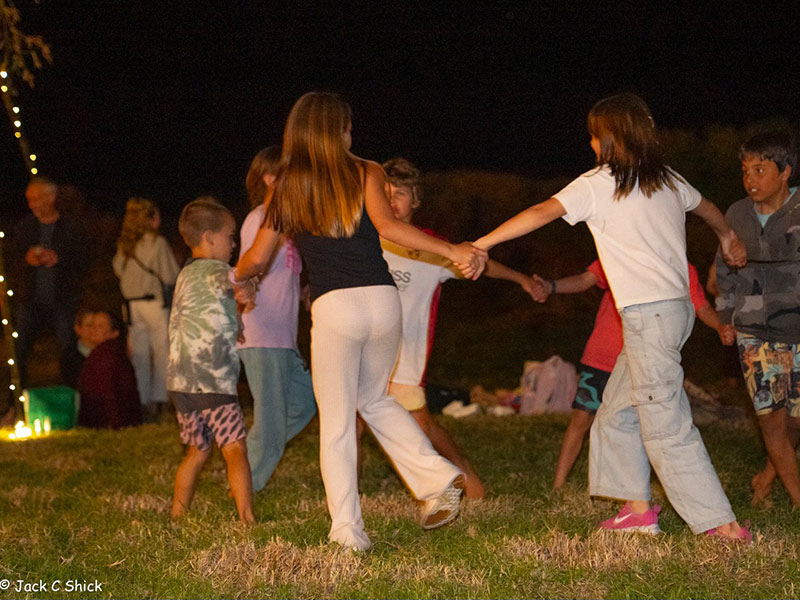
(442,509)
(627,520)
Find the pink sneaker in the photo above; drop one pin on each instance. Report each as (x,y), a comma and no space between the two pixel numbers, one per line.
(744,534)
(626,520)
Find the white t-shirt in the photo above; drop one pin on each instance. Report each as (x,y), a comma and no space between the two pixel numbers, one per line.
(418,276)
(641,241)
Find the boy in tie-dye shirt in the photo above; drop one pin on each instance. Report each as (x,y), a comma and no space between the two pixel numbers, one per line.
(203,367)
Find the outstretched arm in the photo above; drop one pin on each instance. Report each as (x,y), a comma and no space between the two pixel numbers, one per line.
(573,284)
(469,259)
(528,220)
(500,271)
(733,250)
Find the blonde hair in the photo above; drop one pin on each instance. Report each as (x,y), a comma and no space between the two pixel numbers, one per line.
(201,215)
(318,188)
(628,145)
(139,213)
(264,163)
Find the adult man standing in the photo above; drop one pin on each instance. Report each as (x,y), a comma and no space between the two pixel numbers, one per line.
(48,260)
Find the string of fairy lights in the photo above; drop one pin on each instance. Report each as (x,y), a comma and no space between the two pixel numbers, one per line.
(8,94)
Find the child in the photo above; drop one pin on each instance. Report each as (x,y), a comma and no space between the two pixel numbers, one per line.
(72,358)
(600,354)
(203,368)
(635,208)
(106,381)
(283,397)
(759,302)
(419,277)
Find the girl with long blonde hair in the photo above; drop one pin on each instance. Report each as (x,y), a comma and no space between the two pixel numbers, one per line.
(334,206)
(144,260)
(635,208)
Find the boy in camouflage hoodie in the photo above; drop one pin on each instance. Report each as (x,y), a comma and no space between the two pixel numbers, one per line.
(203,368)
(761,302)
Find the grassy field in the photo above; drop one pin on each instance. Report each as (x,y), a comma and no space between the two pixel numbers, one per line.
(86,506)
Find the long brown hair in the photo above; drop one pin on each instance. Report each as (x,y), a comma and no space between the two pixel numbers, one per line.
(318,188)
(264,163)
(628,145)
(139,213)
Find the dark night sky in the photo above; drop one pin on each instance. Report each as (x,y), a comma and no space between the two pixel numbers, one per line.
(172,99)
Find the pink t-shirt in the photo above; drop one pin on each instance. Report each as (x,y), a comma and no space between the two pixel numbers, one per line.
(272,323)
(605,342)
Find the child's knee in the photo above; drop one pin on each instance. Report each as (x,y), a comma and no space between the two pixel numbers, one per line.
(235,449)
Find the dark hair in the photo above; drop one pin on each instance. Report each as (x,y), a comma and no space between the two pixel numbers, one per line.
(201,215)
(401,173)
(264,163)
(777,146)
(628,145)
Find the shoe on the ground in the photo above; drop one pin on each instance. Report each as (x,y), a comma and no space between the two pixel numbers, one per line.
(626,520)
(444,508)
(744,534)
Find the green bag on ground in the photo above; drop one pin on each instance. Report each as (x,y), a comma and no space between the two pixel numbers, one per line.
(56,403)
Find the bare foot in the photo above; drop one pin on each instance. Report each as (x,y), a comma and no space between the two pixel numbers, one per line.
(762,487)
(473,489)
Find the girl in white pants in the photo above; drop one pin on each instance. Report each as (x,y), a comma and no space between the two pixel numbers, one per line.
(334,205)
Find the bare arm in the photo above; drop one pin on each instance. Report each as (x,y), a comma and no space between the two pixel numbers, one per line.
(709,316)
(500,271)
(573,284)
(732,249)
(467,258)
(257,257)
(528,220)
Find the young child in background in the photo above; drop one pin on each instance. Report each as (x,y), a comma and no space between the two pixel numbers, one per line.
(759,302)
(601,351)
(203,368)
(419,277)
(634,206)
(72,358)
(106,381)
(283,396)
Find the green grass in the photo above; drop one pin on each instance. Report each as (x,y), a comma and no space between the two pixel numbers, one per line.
(87,505)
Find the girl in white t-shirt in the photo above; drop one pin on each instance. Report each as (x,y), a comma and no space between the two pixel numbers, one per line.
(634,206)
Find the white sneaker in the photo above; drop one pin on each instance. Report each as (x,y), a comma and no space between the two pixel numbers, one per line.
(444,508)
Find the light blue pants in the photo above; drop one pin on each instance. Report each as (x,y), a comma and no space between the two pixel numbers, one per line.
(283,404)
(645,419)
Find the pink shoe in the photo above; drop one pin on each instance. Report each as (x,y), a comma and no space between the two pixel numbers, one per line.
(744,534)
(626,520)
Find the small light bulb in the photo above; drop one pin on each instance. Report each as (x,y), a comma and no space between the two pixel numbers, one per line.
(4,88)
(10,361)
(15,335)
(10,292)
(3,74)
(33,157)
(4,321)
(17,134)
(22,398)
(16,110)
(34,170)
(12,387)
(2,235)
(17,124)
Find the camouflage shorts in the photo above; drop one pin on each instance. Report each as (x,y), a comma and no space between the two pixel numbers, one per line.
(771,374)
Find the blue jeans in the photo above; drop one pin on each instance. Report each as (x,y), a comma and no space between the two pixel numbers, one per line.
(283,404)
(645,419)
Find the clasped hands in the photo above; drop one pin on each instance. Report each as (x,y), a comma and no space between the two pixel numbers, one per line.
(469,259)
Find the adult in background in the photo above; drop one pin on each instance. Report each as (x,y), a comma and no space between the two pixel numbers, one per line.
(48,261)
(283,398)
(143,262)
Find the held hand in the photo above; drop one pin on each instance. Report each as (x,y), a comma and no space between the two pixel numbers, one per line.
(529,285)
(733,251)
(541,288)
(34,256)
(48,258)
(245,293)
(469,260)
(727,334)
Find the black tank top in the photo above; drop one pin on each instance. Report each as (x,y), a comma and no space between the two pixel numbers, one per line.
(338,263)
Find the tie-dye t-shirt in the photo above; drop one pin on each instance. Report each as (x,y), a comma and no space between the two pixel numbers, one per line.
(202,331)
